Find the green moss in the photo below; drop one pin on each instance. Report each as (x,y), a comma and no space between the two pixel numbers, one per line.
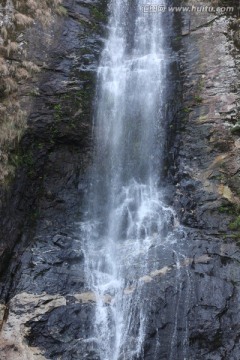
(98,15)
(57,107)
(85,51)
(198,99)
(34,92)
(83,98)
(40,146)
(187,110)
(234,236)
(236,128)
(235,225)
(219,177)
(230,209)
(57,112)
(234,211)
(200,85)
(18,159)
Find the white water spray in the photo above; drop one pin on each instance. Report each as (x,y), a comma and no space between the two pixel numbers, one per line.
(126,215)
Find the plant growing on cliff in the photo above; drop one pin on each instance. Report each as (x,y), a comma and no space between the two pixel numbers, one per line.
(236,128)
(3,67)
(57,112)
(235,225)
(16,68)
(22,20)
(10,85)
(61,10)
(229,209)
(31,67)
(11,47)
(198,99)
(98,15)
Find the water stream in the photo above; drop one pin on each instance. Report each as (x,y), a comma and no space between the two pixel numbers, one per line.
(125,214)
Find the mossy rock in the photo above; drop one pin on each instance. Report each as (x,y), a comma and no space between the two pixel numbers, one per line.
(98,15)
(235,225)
(236,128)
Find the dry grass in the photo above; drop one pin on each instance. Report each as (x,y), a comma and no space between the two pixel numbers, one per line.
(4,32)
(61,10)
(12,126)
(44,16)
(3,111)
(4,70)
(32,5)
(10,85)
(22,73)
(31,67)
(13,68)
(23,20)
(12,47)
(42,10)
(54,2)
(13,117)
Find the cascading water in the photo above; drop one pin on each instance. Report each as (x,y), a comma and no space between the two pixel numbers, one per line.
(126,215)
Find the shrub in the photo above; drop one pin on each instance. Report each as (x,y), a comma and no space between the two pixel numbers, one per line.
(61,10)
(235,225)
(10,85)
(12,115)
(4,32)
(3,67)
(22,73)
(11,47)
(31,67)
(23,20)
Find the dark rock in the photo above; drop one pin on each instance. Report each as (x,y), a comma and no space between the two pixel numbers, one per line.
(193,300)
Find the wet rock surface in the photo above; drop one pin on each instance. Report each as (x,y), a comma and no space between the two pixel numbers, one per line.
(46,310)
(40,211)
(207,196)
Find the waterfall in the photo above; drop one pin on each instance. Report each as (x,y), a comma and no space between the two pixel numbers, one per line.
(126,216)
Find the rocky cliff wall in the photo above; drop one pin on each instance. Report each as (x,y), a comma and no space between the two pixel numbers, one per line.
(46,309)
(207,179)
(43,198)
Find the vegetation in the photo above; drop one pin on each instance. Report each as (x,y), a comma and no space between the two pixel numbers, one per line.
(236,128)
(98,15)
(230,209)
(57,112)
(235,225)
(198,99)
(187,110)
(61,10)
(16,68)
(234,211)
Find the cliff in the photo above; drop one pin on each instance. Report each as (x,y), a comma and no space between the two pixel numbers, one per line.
(49,65)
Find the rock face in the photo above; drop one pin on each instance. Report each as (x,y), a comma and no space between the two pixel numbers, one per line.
(46,310)
(40,210)
(207,182)
(59,126)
